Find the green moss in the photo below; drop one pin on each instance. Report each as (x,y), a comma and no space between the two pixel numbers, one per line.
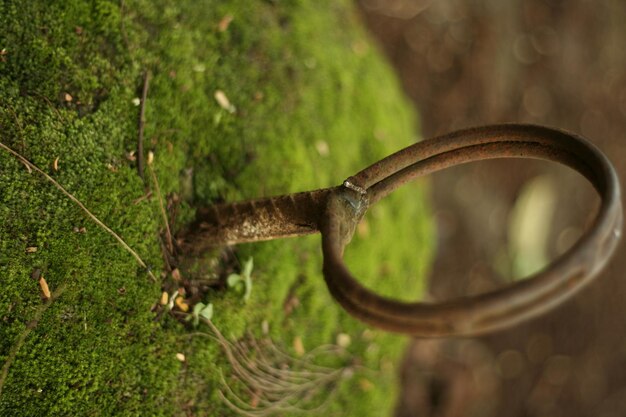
(302,77)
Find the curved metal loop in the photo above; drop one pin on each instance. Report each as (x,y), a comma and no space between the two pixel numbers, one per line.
(470,316)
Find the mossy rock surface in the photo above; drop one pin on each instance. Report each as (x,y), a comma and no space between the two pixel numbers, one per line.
(312,103)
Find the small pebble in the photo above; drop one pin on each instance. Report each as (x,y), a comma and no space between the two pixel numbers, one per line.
(343,340)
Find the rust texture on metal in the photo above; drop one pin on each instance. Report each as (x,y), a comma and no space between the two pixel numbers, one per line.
(256,220)
(335,212)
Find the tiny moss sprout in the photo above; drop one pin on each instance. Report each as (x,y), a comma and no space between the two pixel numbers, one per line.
(200,310)
(242,282)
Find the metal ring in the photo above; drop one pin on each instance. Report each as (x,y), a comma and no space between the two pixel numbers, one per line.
(502,308)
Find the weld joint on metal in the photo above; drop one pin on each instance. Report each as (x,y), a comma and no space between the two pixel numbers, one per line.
(354,187)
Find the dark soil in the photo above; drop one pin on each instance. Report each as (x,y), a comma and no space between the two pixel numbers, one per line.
(559,63)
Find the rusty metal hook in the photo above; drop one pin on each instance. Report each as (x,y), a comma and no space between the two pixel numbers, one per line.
(336,211)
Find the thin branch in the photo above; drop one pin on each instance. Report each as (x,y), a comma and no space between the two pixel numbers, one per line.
(168,231)
(141,158)
(82,206)
(142,198)
(142,122)
(49,103)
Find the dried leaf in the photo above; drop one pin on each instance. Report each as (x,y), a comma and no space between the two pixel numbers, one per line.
(199,68)
(170,305)
(290,304)
(55,164)
(298,346)
(182,304)
(31,249)
(45,291)
(223,101)
(176,274)
(322,147)
(164,298)
(222,26)
(365,384)
(150,158)
(67,97)
(180,357)
(343,340)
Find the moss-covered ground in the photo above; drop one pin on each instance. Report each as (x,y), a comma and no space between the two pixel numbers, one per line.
(312,103)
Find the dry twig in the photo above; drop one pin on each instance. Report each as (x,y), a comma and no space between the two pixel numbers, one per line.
(142,122)
(168,231)
(82,206)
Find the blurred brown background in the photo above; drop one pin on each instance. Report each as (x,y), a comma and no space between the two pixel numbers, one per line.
(558,63)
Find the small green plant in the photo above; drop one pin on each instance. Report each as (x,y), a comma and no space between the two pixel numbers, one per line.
(242,282)
(200,310)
